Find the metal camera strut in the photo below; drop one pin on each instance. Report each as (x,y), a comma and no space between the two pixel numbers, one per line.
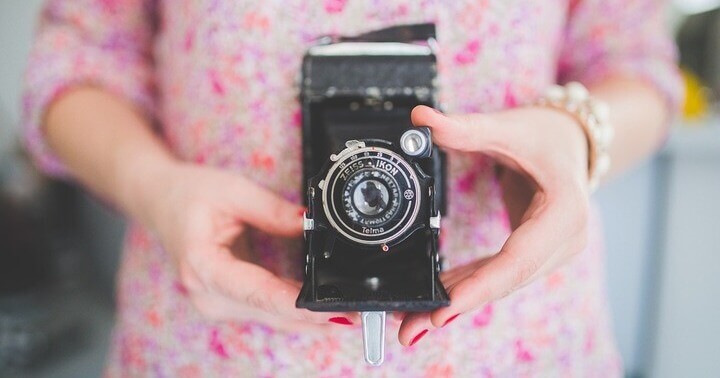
(373,328)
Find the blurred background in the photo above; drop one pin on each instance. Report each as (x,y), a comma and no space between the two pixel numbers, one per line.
(59,248)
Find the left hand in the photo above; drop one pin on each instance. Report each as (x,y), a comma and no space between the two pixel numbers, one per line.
(543,154)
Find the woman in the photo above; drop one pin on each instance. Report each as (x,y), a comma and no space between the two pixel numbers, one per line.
(183,115)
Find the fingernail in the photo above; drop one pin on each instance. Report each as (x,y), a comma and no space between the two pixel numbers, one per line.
(437,111)
(450,319)
(301,212)
(399,316)
(341,320)
(418,337)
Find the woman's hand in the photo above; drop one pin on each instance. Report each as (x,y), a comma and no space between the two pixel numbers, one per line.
(543,154)
(200,216)
(199,213)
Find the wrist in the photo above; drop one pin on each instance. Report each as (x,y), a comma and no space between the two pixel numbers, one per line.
(142,181)
(592,117)
(564,132)
(554,132)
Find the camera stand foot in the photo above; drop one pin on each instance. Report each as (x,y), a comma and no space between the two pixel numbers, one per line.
(373,327)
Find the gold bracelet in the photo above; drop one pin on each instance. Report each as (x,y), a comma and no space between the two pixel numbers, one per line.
(593,117)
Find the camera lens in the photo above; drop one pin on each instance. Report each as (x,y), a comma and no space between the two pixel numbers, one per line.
(371,197)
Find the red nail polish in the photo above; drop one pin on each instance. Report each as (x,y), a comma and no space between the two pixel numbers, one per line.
(450,319)
(418,337)
(341,320)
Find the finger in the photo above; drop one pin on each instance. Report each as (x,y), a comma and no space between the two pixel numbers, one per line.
(297,326)
(466,132)
(235,311)
(414,327)
(447,131)
(266,210)
(505,136)
(453,276)
(525,251)
(337,318)
(399,316)
(294,283)
(257,288)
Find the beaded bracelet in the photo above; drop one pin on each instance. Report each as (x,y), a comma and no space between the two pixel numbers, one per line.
(592,116)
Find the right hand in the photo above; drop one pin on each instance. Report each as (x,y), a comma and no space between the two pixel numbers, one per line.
(200,218)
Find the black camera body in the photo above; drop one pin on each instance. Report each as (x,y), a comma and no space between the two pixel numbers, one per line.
(375,183)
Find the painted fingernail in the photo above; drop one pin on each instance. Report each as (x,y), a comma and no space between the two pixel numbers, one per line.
(340,320)
(418,337)
(450,319)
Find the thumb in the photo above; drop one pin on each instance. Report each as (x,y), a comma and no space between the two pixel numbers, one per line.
(265,210)
(499,135)
(466,132)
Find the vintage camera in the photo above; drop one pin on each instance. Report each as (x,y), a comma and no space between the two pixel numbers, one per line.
(375,183)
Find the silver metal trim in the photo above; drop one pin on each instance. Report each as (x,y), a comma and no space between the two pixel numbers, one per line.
(369,48)
(373,327)
(350,147)
(435,221)
(308,223)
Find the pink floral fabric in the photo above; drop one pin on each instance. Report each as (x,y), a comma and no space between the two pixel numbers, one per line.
(219,78)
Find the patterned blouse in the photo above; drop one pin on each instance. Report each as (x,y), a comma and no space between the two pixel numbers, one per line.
(218,76)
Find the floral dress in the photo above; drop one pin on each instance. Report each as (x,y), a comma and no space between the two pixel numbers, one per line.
(219,79)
